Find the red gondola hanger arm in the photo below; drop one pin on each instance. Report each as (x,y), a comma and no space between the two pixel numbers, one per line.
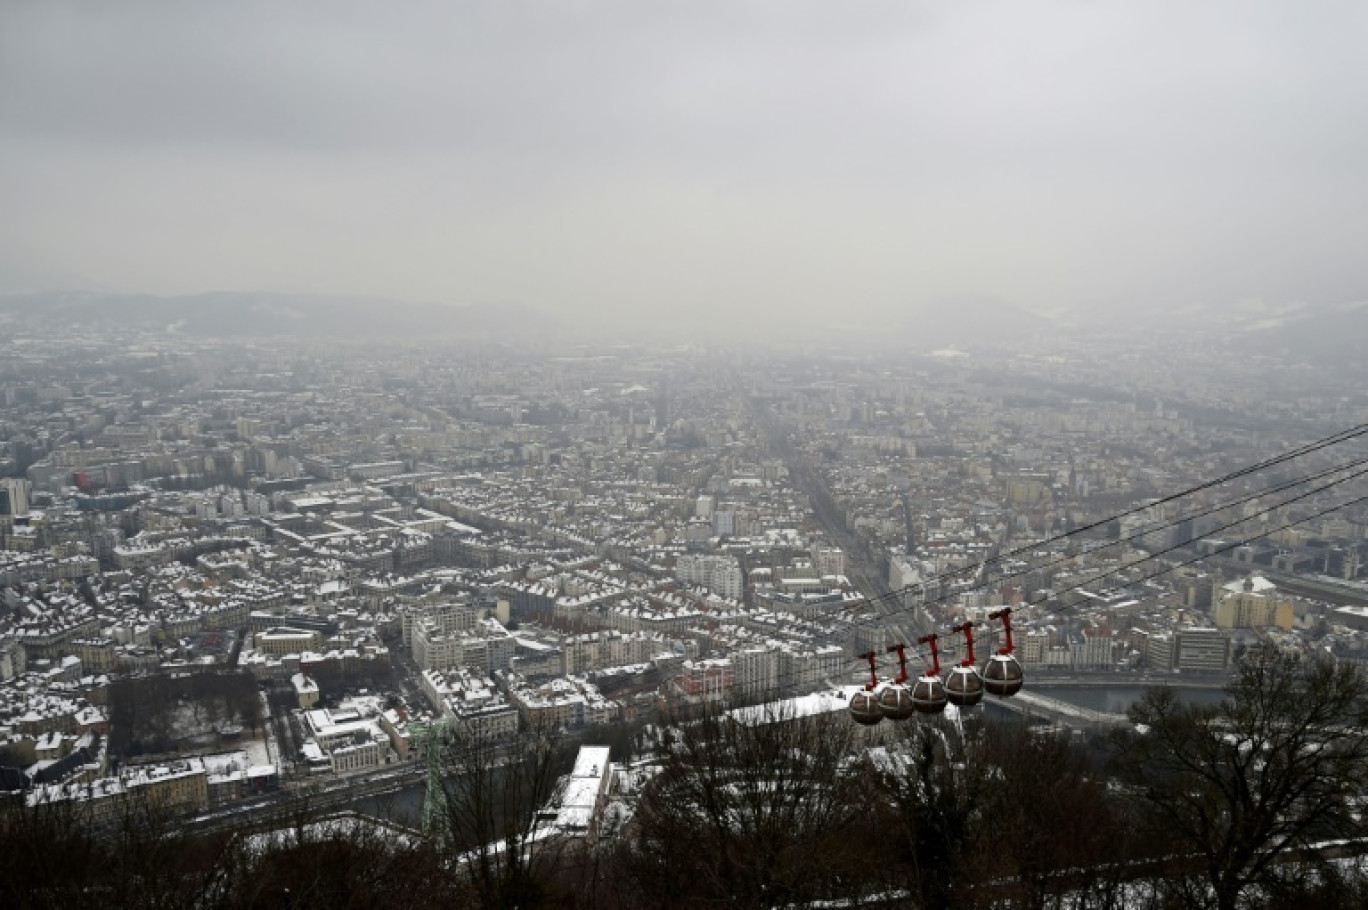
(1005,614)
(967,630)
(873,670)
(901,651)
(935,652)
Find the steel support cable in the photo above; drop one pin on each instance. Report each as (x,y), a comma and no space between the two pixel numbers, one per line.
(1300,451)
(873,622)
(913,651)
(1333,439)
(1155,529)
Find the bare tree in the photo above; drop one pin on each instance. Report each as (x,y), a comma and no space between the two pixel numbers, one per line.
(1049,832)
(928,787)
(995,815)
(58,854)
(1237,787)
(338,862)
(48,855)
(491,789)
(151,861)
(752,808)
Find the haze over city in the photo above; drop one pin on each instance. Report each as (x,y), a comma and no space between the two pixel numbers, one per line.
(663,164)
(656,456)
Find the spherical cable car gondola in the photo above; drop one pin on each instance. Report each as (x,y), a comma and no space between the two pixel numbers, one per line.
(928,693)
(895,699)
(1002,675)
(864,704)
(964,685)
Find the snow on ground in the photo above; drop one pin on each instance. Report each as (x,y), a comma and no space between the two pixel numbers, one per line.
(339,827)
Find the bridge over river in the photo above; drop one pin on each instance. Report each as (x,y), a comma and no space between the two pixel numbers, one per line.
(1033,703)
(1101,700)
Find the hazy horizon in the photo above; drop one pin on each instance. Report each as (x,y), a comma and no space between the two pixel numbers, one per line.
(741,161)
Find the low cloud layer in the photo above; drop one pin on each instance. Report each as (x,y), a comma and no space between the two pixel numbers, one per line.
(814,160)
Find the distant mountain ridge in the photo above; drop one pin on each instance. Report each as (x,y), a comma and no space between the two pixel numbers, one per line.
(1323,334)
(253,314)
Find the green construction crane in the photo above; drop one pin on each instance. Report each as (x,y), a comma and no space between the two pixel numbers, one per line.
(431,739)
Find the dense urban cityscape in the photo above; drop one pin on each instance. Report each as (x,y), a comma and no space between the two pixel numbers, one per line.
(387,537)
(607,455)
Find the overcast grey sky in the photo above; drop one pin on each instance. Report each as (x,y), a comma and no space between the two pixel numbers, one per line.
(598,157)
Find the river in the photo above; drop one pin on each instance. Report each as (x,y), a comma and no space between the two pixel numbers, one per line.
(1116,699)
(403,806)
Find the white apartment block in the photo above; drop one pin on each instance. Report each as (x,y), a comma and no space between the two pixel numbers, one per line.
(568,702)
(472,701)
(807,670)
(452,616)
(829,560)
(719,574)
(1096,651)
(757,671)
(486,647)
(609,648)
